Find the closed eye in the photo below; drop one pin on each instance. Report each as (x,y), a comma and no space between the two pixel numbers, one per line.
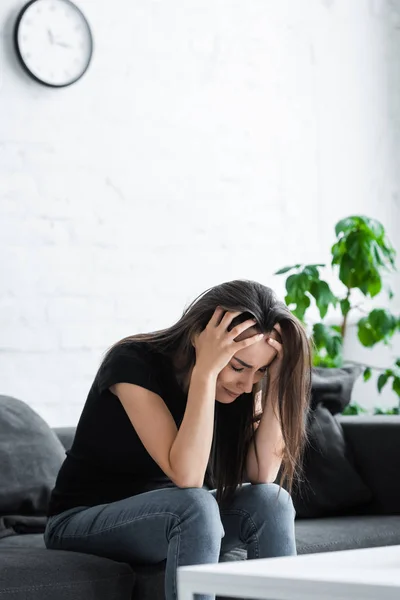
(240,370)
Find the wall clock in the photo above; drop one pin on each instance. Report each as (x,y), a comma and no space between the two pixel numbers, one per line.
(53,41)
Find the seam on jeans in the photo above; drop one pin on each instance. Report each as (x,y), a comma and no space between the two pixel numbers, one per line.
(244,513)
(175,575)
(122,524)
(56,521)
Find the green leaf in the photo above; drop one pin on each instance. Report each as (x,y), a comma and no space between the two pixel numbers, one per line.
(388,411)
(289,300)
(354,243)
(382,320)
(321,359)
(311,271)
(323,296)
(354,409)
(317,265)
(345,225)
(389,253)
(345,306)
(297,285)
(367,374)
(346,271)
(374,226)
(379,257)
(382,381)
(379,326)
(325,337)
(374,286)
(365,333)
(396,385)
(361,252)
(301,306)
(286,269)
(337,251)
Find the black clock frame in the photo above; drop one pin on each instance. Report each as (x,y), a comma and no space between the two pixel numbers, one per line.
(20,57)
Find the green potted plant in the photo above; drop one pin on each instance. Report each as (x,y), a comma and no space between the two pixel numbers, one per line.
(361,255)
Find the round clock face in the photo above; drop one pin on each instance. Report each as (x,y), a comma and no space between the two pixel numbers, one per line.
(53,41)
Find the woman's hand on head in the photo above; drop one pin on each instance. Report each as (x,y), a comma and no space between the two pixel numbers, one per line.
(215,345)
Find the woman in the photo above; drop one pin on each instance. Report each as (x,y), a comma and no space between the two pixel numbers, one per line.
(174,423)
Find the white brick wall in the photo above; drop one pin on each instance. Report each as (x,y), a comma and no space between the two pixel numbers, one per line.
(209,140)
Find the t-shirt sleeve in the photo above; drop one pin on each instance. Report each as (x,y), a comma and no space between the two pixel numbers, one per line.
(128,365)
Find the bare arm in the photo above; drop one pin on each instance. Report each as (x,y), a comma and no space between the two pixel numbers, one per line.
(190,451)
(270,445)
(182,455)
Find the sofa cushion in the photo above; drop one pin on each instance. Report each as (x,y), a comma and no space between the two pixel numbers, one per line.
(374,441)
(148,580)
(346,533)
(48,574)
(312,535)
(333,387)
(65,435)
(331,484)
(30,457)
(30,540)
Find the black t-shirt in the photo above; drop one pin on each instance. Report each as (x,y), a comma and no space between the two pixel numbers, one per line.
(107,461)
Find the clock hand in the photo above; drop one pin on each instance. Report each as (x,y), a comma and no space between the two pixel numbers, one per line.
(62,44)
(50,36)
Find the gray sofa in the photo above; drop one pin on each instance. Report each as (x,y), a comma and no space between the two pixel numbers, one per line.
(29,571)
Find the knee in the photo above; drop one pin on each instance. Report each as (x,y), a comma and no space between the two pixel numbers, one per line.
(272,497)
(199,509)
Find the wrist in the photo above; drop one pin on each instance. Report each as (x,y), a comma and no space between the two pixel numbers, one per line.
(203,374)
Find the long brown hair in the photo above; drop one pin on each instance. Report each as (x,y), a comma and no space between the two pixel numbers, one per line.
(235,421)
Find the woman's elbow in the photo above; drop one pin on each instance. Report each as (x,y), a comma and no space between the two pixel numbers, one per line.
(188,481)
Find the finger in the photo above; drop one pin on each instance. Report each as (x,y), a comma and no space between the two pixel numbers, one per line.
(276,332)
(278,346)
(249,341)
(236,331)
(216,318)
(228,318)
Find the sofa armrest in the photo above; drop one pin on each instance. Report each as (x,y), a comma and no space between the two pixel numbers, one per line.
(65,435)
(374,442)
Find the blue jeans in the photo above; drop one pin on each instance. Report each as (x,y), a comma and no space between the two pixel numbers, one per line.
(183,526)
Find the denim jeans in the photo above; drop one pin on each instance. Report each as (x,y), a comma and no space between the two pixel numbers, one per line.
(183,526)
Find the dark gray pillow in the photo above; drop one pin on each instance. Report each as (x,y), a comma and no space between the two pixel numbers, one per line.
(331,484)
(333,387)
(30,458)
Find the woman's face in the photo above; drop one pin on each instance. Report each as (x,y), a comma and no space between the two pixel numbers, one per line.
(246,368)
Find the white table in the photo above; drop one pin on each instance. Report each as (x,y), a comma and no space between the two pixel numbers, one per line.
(366,574)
